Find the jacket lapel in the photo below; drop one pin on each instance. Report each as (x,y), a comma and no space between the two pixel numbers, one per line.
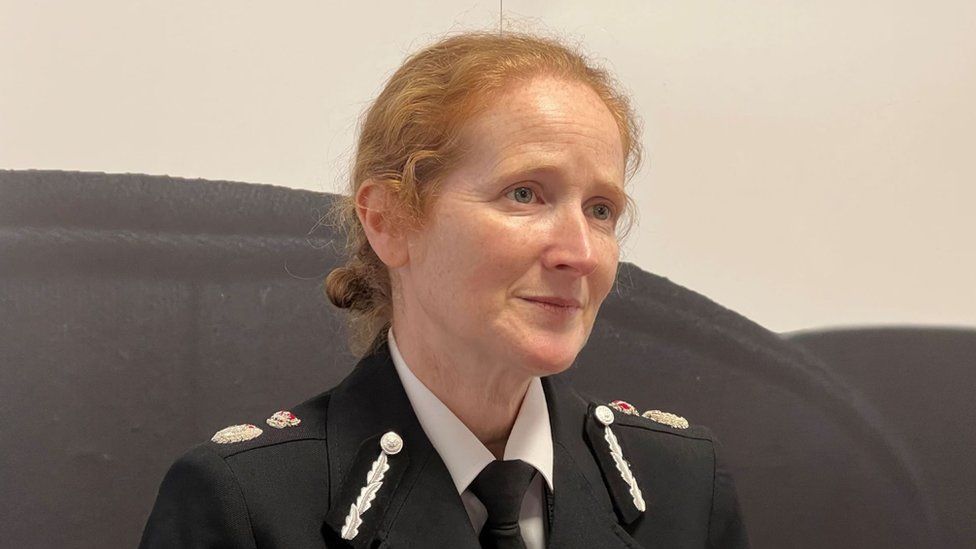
(432,513)
(581,511)
(417,502)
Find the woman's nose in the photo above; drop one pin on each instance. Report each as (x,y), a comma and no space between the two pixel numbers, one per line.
(571,243)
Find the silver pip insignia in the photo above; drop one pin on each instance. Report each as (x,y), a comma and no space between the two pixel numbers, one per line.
(236,433)
(624,407)
(282,419)
(667,418)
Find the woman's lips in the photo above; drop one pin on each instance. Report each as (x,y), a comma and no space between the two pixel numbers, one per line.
(553,300)
(553,308)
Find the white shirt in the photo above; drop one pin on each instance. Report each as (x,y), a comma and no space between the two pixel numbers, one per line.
(465,456)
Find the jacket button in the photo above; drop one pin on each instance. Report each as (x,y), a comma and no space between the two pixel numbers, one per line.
(604,414)
(391,443)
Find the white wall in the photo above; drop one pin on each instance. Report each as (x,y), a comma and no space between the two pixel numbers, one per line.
(809,163)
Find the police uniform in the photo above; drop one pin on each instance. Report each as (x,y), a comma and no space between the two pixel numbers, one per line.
(354,467)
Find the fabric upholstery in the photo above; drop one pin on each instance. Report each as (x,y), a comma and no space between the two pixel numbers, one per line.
(140,314)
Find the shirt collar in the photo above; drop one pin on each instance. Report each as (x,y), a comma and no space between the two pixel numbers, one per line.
(463,454)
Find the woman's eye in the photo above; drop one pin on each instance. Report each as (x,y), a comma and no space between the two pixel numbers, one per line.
(522,192)
(603,208)
(524,195)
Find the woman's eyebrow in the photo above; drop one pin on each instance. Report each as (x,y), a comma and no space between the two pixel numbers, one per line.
(614,192)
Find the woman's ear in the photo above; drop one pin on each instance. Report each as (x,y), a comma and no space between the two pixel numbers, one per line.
(373,207)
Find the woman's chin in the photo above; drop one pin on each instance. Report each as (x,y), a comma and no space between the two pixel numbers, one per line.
(551,357)
(540,350)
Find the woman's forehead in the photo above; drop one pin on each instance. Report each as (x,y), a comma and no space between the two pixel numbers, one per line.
(544,102)
(553,125)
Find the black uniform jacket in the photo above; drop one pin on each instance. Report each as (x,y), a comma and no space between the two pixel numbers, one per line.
(295,487)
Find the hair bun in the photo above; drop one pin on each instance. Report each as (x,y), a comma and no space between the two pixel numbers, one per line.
(347,289)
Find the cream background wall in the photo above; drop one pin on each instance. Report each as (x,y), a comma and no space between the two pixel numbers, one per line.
(809,163)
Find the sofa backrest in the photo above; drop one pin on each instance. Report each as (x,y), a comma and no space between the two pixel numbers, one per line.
(140,314)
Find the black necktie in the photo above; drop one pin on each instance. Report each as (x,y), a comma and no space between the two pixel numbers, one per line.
(500,486)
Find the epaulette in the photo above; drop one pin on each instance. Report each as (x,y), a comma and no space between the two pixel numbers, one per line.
(658,420)
(622,481)
(281,426)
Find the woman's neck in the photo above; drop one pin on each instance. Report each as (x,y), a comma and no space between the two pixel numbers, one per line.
(486,397)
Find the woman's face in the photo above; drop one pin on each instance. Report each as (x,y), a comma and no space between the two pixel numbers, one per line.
(530,213)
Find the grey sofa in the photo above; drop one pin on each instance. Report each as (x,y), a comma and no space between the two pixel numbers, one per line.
(139,314)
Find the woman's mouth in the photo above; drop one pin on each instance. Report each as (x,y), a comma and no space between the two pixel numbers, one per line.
(552,308)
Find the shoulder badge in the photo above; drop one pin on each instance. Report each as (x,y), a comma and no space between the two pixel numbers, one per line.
(664,418)
(236,433)
(667,418)
(282,419)
(624,407)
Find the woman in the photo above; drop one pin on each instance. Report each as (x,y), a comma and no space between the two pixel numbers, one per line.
(484,222)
